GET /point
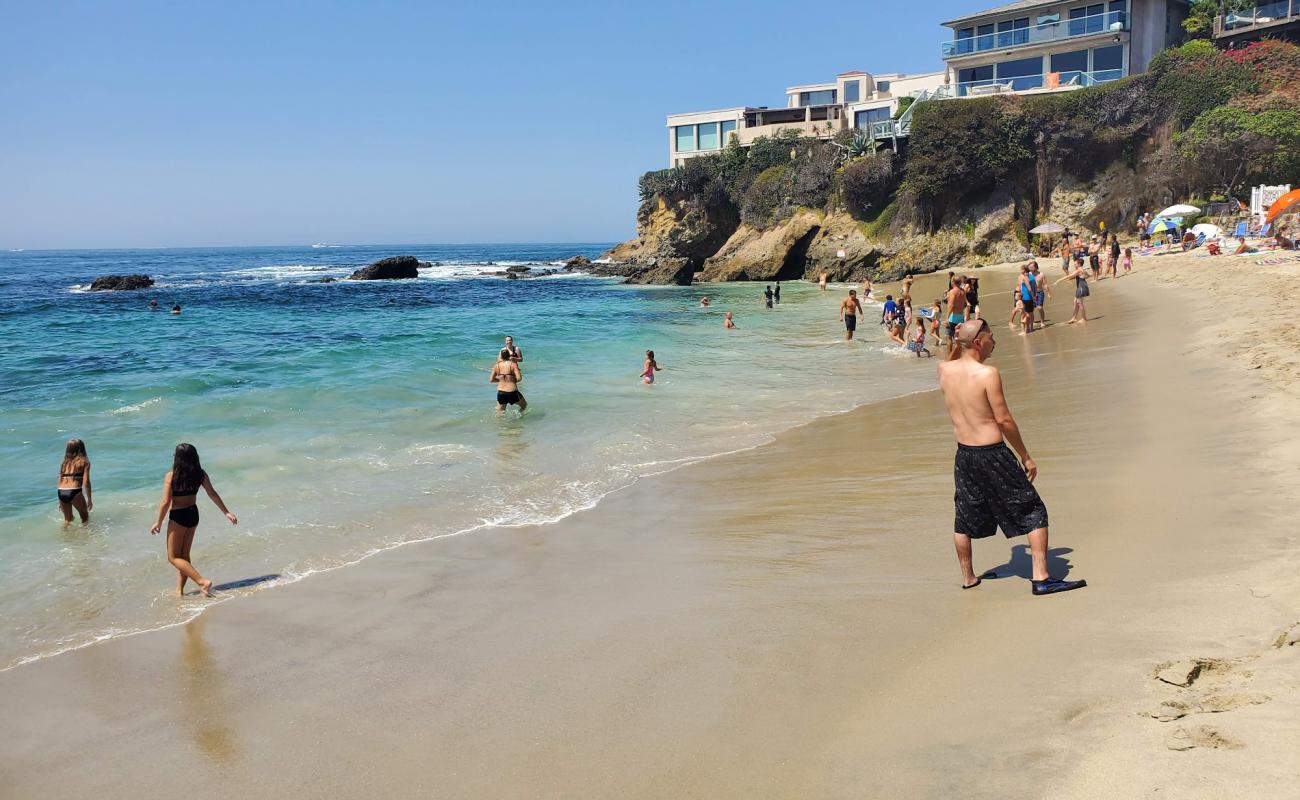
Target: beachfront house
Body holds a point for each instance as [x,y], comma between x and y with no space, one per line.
[1049,45]
[1238,24]
[853,100]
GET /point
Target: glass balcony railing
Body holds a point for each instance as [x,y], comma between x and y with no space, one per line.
[1023,83]
[1113,21]
[1261,14]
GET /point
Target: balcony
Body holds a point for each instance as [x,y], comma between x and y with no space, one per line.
[1051,81]
[1111,22]
[1263,18]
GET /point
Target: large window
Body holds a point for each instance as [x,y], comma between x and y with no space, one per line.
[1087,19]
[1070,65]
[851,91]
[863,119]
[685,138]
[1108,62]
[824,97]
[708,136]
[1117,13]
[984,37]
[882,86]
[1013,32]
[965,41]
[728,128]
[1023,73]
[973,76]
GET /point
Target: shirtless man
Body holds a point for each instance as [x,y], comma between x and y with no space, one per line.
[506,375]
[992,489]
[517,356]
[956,302]
[850,310]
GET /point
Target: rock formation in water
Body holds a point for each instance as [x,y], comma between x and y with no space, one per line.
[121,283]
[392,268]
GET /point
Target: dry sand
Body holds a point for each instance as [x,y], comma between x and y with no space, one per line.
[786,622]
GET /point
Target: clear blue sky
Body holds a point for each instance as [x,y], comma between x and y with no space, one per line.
[227,123]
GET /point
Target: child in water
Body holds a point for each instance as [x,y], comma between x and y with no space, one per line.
[728,322]
[917,345]
[1128,260]
[936,313]
[648,371]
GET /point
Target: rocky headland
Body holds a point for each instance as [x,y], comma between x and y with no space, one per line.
[973,178]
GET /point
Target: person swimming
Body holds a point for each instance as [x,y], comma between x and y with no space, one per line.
[180,508]
[153,305]
[649,368]
[74,482]
[176,309]
[727,321]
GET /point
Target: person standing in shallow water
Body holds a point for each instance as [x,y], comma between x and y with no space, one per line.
[649,368]
[517,356]
[727,321]
[181,510]
[850,310]
[767,297]
[506,375]
[776,293]
[992,490]
[74,482]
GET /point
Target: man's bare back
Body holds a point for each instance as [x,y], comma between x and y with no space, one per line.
[967,386]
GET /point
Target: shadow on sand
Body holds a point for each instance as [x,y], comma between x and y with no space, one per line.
[1020,565]
[243,583]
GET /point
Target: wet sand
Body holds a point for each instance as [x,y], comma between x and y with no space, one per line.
[784,622]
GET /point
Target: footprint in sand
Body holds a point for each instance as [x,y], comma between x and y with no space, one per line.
[1200,736]
[1289,637]
[1171,710]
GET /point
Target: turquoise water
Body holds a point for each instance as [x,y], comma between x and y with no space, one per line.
[336,423]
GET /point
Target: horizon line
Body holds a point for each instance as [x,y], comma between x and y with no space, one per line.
[307,246]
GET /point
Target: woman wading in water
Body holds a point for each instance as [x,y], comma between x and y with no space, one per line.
[1080,277]
[180,495]
[74,482]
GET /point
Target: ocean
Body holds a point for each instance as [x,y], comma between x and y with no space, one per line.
[343,419]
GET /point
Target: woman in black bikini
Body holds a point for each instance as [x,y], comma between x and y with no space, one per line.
[180,495]
[74,482]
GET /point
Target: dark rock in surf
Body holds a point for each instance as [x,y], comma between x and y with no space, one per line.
[121,283]
[387,269]
[578,262]
[323,280]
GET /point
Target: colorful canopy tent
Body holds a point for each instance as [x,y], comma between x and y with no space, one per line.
[1283,204]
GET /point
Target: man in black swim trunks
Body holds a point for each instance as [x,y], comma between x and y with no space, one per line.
[850,310]
[767,297]
[992,489]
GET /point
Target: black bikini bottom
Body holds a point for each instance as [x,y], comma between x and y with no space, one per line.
[185,517]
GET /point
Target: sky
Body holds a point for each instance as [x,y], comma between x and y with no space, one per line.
[133,124]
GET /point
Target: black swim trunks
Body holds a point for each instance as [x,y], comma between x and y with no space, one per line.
[851,322]
[507,398]
[1028,305]
[993,491]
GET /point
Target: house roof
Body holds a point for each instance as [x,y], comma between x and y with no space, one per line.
[1019,5]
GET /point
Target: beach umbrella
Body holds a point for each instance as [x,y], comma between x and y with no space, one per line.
[1283,204]
[1206,229]
[1174,211]
[1048,227]
[1162,225]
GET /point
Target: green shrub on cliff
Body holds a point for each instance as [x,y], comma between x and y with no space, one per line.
[766,197]
[1197,77]
[1228,148]
[867,183]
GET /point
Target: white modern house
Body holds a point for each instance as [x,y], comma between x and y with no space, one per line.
[853,100]
[1049,45]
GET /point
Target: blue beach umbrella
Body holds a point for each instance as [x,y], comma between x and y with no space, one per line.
[1161,225]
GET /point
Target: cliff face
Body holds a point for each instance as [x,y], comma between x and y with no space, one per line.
[678,244]
[674,237]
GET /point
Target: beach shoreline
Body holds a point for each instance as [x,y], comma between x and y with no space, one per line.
[783,621]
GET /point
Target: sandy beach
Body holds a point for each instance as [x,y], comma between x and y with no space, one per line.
[786,621]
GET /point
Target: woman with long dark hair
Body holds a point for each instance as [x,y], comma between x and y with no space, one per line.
[74,482]
[180,507]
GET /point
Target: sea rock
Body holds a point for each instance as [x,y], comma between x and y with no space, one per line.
[323,280]
[517,268]
[392,268]
[121,283]
[578,262]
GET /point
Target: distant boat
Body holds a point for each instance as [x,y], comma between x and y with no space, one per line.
[322,244]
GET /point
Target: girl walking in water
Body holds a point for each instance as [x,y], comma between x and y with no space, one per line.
[650,368]
[1080,278]
[180,495]
[74,482]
